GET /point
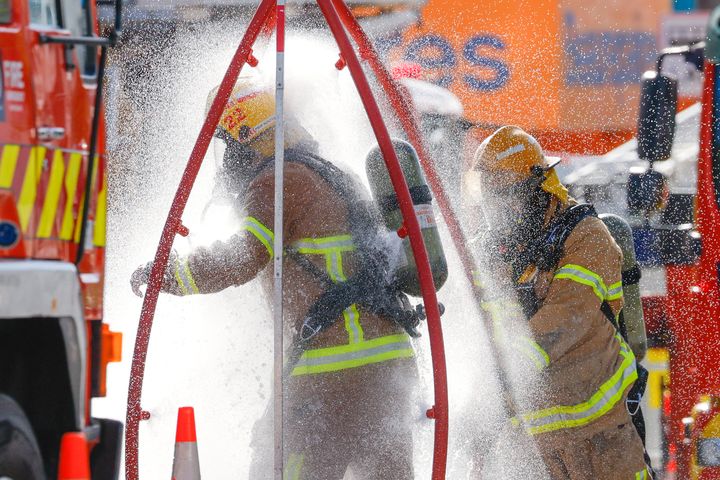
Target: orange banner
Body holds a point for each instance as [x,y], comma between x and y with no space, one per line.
[547,65]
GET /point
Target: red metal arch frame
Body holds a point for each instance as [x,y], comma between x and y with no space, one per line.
[336,14]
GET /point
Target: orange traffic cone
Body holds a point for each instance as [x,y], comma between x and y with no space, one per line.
[74,457]
[186,464]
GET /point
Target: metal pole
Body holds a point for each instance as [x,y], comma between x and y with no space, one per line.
[278,391]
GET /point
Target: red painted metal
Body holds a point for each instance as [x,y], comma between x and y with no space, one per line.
[39,91]
[413,227]
[134,410]
[402,105]
[280,28]
[42,177]
[708,216]
[693,299]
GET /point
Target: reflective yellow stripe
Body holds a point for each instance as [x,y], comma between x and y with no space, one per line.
[583,276]
[332,259]
[352,324]
[261,232]
[615,291]
[100,212]
[184,278]
[26,201]
[332,248]
[193,286]
[180,282]
[71,182]
[642,475]
[533,351]
[325,245]
[353,355]
[293,469]
[591,279]
[608,395]
[8,162]
[78,221]
[52,196]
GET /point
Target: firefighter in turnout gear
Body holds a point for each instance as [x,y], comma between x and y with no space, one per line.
[563,269]
[351,369]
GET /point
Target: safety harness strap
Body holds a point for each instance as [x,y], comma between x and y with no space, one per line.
[632,276]
[343,296]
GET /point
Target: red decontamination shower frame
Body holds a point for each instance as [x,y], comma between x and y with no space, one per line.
[339,18]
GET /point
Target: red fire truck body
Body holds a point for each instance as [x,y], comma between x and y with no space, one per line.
[54,348]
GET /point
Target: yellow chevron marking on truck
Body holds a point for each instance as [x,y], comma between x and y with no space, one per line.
[52,196]
[78,222]
[100,208]
[26,201]
[71,181]
[8,162]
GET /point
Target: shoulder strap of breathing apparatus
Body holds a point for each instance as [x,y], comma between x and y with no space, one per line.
[552,246]
[552,243]
[551,253]
[369,286]
[545,253]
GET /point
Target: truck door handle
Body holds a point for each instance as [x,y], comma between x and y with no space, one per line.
[50,133]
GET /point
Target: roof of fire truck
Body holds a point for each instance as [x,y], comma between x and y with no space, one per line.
[680,169]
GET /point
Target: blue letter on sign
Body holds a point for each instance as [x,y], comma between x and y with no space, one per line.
[440,55]
[502,72]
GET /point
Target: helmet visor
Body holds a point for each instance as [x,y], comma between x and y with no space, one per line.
[507,209]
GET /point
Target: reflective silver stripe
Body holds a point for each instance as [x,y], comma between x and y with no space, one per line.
[353,355]
[585,277]
[533,351]
[615,291]
[352,324]
[334,260]
[261,232]
[610,393]
[642,475]
[185,280]
[342,242]
[514,149]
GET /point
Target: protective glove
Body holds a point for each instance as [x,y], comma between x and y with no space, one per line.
[141,276]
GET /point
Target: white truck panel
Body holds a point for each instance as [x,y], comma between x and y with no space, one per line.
[49,289]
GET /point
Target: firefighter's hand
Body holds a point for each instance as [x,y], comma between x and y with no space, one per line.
[139,278]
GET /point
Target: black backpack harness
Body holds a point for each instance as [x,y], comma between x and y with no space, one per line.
[549,250]
[368,287]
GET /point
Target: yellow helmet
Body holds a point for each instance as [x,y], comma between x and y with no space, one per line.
[249,118]
[509,157]
[250,111]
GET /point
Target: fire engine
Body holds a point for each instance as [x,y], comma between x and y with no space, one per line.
[671,196]
[54,346]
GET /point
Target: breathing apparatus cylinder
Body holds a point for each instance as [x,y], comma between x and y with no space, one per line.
[632,308]
[406,275]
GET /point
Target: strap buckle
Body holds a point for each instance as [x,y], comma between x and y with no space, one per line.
[633,404]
